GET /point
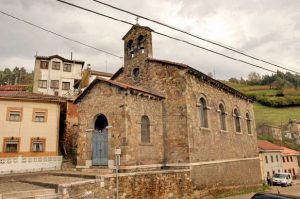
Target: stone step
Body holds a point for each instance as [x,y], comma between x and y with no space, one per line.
[32,194]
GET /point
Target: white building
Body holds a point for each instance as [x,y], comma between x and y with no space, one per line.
[270,158]
[29,131]
[55,75]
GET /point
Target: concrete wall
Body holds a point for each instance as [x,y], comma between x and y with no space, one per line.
[50,74]
[27,129]
[123,111]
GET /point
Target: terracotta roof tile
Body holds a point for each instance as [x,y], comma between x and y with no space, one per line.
[99,73]
[287,151]
[266,145]
[59,57]
[12,87]
[23,95]
[120,85]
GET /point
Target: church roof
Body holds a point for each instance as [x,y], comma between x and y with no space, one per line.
[134,27]
[195,72]
[61,58]
[132,89]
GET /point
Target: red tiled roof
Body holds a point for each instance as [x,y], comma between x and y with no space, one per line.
[120,85]
[287,151]
[168,62]
[23,95]
[12,87]
[198,74]
[60,57]
[266,145]
[99,73]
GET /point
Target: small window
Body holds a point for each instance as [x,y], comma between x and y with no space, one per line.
[294,173]
[37,144]
[11,145]
[248,121]
[277,159]
[287,159]
[54,84]
[56,65]
[266,159]
[67,67]
[135,73]
[40,115]
[273,172]
[203,113]
[272,160]
[291,158]
[44,65]
[14,114]
[66,86]
[42,83]
[283,159]
[222,117]
[145,129]
[237,121]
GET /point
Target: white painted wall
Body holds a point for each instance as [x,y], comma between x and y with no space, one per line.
[50,74]
[271,166]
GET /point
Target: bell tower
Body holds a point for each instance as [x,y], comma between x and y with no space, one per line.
[137,45]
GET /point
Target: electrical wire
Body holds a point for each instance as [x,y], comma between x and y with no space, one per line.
[196,36]
[60,35]
[171,37]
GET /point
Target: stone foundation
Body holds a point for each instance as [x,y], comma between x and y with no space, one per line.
[142,185]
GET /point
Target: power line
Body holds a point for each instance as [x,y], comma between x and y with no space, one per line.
[196,36]
[171,37]
[60,35]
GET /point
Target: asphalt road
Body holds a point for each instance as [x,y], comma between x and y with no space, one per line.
[292,190]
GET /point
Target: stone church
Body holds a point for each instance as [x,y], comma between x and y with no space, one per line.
[167,115]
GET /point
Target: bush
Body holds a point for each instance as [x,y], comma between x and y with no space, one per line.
[279,101]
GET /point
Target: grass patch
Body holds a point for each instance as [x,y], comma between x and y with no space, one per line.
[275,116]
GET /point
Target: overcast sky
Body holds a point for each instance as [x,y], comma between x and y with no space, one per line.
[268,29]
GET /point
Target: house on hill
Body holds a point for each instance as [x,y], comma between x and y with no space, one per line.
[163,114]
[270,157]
[56,75]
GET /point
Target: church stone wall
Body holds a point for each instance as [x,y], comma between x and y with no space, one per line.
[123,112]
[170,82]
[237,150]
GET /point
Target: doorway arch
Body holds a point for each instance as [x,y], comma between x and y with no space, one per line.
[100,141]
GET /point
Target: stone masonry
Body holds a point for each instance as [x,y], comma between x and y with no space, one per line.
[169,94]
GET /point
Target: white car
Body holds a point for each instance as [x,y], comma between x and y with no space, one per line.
[283,179]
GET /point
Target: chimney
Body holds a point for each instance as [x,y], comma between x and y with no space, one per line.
[71,55]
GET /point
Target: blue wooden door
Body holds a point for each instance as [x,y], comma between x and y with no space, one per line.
[100,147]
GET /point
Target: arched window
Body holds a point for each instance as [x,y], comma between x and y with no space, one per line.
[130,49]
[203,113]
[135,73]
[237,122]
[222,117]
[248,121]
[141,44]
[145,129]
